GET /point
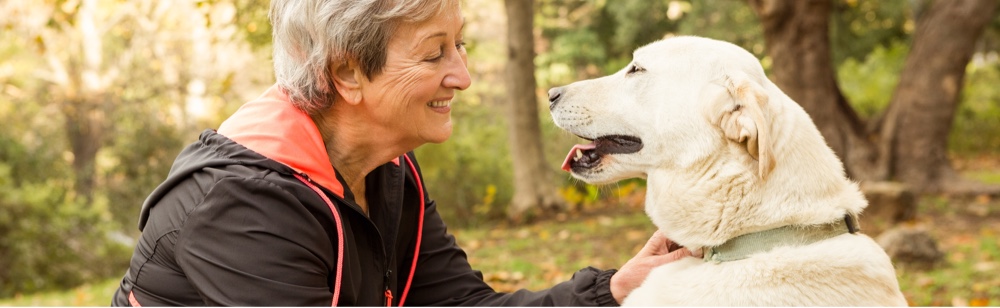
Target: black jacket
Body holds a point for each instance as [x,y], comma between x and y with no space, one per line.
[238,223]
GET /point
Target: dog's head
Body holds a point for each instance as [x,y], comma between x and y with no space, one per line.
[679,101]
[725,151]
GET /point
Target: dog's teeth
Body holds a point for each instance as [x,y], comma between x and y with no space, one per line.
[579,154]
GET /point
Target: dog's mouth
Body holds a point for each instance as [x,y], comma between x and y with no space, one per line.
[586,156]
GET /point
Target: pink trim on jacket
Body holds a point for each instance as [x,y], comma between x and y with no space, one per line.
[340,237]
[271,126]
[420,232]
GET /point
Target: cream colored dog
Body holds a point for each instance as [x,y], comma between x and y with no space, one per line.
[735,169]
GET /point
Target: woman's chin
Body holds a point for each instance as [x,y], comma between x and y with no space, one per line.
[439,136]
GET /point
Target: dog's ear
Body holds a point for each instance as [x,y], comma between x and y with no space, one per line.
[745,119]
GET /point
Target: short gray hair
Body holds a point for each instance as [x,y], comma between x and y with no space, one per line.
[311,35]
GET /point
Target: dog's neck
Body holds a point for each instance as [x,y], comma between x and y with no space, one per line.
[745,245]
[723,197]
[700,210]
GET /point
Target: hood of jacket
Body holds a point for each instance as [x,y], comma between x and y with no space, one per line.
[267,132]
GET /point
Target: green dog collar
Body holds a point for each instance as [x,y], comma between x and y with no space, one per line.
[743,246]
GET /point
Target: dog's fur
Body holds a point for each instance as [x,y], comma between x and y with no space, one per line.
[725,153]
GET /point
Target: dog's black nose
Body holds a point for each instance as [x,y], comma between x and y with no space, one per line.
[554,95]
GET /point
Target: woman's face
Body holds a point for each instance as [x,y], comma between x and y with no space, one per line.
[425,67]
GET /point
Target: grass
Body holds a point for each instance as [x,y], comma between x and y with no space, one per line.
[94,294]
[533,256]
[540,255]
[985,176]
[967,277]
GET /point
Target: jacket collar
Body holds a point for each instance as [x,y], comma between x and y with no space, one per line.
[271,126]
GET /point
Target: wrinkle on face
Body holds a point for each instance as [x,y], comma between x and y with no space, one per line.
[411,79]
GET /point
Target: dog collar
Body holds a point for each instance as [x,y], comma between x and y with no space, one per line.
[743,246]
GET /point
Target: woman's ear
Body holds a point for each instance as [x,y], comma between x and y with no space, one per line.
[347,79]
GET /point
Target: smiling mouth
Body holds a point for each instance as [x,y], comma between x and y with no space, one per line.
[587,156]
[439,104]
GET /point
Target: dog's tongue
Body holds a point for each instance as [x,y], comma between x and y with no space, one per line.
[572,153]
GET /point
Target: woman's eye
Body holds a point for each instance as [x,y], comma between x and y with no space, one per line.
[459,46]
[634,69]
[436,57]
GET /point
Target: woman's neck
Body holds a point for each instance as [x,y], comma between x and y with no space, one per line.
[352,149]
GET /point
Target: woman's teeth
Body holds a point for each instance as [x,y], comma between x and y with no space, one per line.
[439,103]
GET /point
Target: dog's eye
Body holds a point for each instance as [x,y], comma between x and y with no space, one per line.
[634,69]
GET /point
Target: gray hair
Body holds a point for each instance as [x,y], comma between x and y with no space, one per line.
[310,36]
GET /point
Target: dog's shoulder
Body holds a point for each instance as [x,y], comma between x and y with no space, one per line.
[850,269]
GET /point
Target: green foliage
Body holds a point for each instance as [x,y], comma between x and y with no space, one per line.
[859,27]
[136,161]
[728,20]
[588,38]
[50,240]
[976,128]
[469,176]
[868,84]
[251,19]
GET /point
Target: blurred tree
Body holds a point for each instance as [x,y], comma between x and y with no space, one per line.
[728,20]
[585,39]
[908,143]
[35,252]
[857,27]
[251,18]
[48,238]
[797,40]
[68,37]
[126,77]
[914,130]
[95,96]
[534,185]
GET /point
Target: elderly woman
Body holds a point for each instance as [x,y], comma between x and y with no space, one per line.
[310,194]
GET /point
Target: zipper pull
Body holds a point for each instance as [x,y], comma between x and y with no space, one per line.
[388,293]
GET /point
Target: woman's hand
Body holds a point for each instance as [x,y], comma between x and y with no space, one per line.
[659,250]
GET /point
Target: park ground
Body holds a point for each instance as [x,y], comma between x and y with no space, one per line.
[606,234]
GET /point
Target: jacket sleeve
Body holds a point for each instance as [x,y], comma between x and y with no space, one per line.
[445,278]
[251,243]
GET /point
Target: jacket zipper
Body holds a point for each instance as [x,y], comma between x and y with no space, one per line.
[385,254]
[388,292]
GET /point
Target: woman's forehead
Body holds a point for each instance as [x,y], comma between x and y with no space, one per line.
[444,25]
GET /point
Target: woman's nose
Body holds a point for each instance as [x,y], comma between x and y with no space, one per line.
[458,74]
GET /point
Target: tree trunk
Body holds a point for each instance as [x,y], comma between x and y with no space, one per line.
[796,34]
[909,142]
[85,123]
[534,185]
[916,126]
[84,110]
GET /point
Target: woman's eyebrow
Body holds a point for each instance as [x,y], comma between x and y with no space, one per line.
[441,33]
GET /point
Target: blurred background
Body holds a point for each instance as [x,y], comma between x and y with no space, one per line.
[97,97]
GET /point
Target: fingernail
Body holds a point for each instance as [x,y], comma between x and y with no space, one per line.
[698,253]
